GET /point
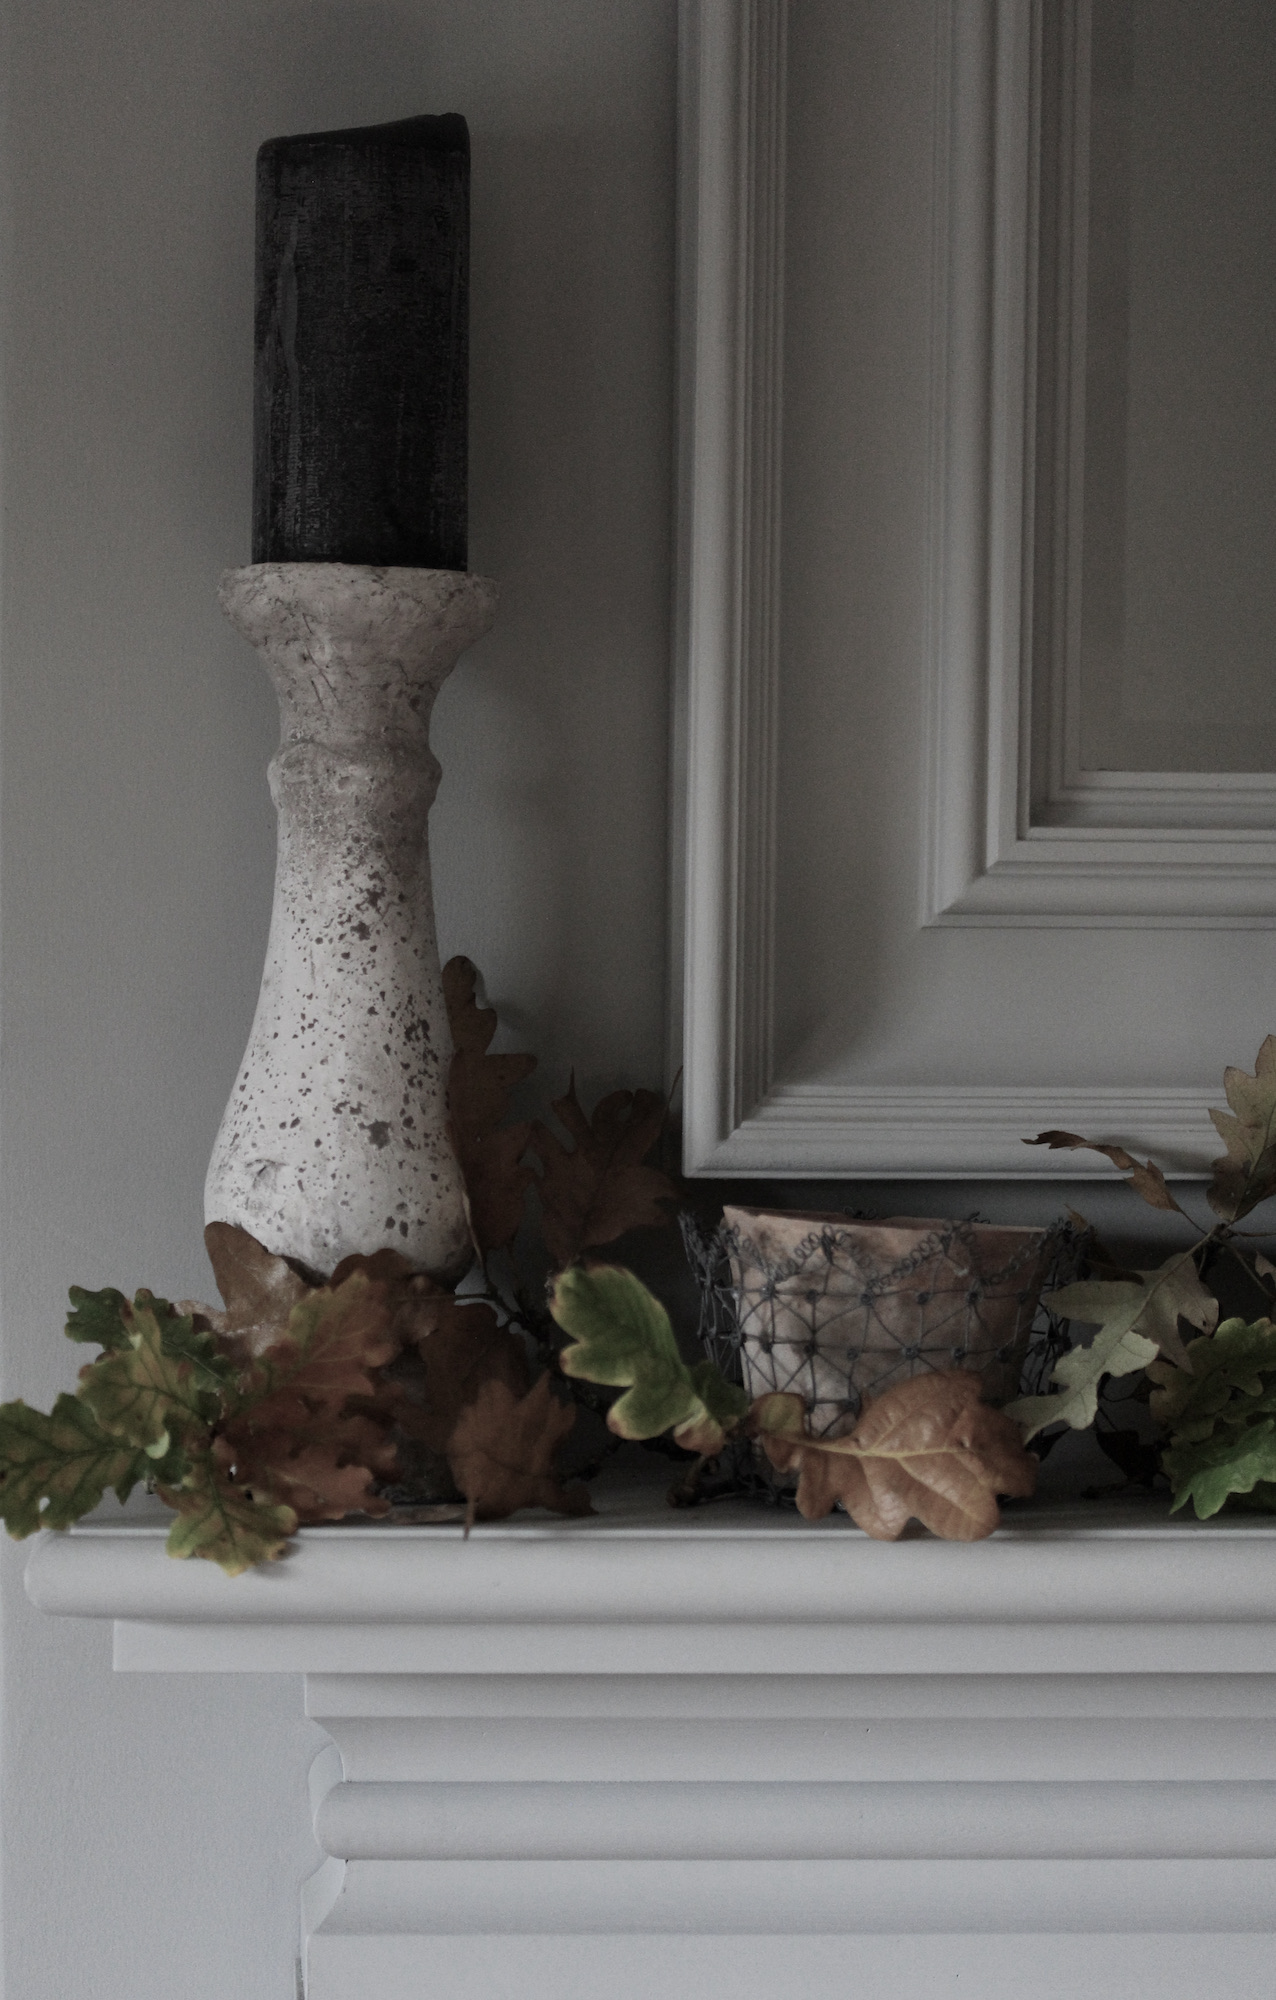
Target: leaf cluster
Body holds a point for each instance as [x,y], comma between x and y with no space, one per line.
[1137,1319]
[927,1449]
[1138,1314]
[301,1401]
[592,1187]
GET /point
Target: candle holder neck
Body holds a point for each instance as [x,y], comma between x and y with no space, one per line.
[334,1140]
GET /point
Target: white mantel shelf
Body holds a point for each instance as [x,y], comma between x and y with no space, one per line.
[739,1753]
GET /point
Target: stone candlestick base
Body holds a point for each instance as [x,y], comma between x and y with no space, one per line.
[334,1138]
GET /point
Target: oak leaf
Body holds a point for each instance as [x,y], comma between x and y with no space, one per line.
[219,1519]
[1137,1321]
[623,1339]
[259,1290]
[57,1467]
[927,1449]
[333,1341]
[295,1430]
[600,1187]
[1232,1372]
[322,1475]
[101,1317]
[502,1453]
[1145,1177]
[163,1386]
[1221,1416]
[488,1151]
[1246,1173]
[1235,1463]
[456,1347]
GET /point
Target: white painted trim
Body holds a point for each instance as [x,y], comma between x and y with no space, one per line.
[956,1132]
[731,299]
[667,1580]
[1180,849]
[732,1728]
[984,864]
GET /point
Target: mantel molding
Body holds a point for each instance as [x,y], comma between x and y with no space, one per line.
[739,1752]
[642,1589]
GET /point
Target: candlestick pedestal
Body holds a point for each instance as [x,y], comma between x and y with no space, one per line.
[334,1139]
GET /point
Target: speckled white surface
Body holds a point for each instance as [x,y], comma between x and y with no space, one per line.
[333,1140]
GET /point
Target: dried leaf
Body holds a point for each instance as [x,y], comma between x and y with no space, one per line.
[295,1431]
[1264,1265]
[502,1453]
[219,1520]
[479,1086]
[600,1188]
[259,1290]
[322,1476]
[164,1386]
[1145,1177]
[926,1450]
[624,1340]
[334,1339]
[1246,1173]
[385,1267]
[55,1468]
[458,1346]
[1136,1322]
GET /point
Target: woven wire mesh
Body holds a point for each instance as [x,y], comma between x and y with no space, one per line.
[799,1327]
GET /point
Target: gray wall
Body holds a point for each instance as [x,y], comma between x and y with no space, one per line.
[152,1834]
[153,1837]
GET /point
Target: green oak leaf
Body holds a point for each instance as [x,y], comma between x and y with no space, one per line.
[98,1316]
[1221,1416]
[160,1388]
[1246,1172]
[222,1521]
[1210,1472]
[1117,1351]
[211,1370]
[55,1468]
[1137,1322]
[624,1340]
[1230,1377]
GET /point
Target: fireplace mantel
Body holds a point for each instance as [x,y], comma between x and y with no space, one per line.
[741,1753]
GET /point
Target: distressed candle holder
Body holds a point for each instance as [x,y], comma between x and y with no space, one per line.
[334,1140]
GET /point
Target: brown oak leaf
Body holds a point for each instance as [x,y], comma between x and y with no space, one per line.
[502,1453]
[1246,1172]
[297,1429]
[1145,1177]
[385,1267]
[458,1347]
[927,1449]
[322,1477]
[479,1085]
[259,1291]
[600,1187]
[333,1341]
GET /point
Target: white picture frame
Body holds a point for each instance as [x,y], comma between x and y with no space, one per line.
[1208,864]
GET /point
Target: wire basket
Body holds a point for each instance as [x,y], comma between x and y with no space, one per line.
[837,1308]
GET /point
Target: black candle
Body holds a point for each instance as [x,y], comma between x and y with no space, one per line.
[362,346]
